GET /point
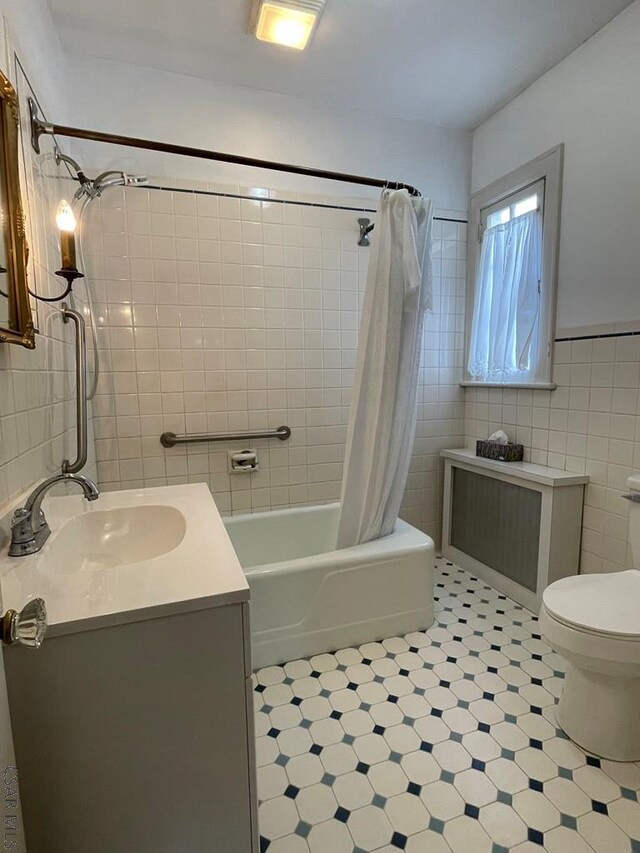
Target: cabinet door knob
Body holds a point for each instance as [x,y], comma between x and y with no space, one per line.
[27,627]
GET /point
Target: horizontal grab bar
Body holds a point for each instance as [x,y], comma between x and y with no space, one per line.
[169,439]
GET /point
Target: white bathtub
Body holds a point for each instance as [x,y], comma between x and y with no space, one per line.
[308,598]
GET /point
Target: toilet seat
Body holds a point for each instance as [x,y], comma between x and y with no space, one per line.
[603,605]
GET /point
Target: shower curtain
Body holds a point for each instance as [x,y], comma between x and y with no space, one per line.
[382,418]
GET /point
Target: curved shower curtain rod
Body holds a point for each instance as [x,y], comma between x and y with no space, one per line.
[38,127]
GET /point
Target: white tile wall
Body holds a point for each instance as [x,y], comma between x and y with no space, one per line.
[37,389]
[589,424]
[220,313]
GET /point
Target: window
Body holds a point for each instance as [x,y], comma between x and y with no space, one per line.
[512,276]
[527,201]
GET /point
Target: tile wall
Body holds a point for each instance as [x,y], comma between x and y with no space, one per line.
[37,387]
[589,424]
[219,313]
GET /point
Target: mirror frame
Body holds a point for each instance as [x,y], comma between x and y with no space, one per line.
[21,329]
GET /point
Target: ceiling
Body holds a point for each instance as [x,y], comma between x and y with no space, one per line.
[445,62]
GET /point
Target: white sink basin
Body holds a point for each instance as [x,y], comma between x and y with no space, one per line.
[125,557]
[114,537]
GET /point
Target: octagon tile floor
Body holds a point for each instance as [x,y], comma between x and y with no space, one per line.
[443,741]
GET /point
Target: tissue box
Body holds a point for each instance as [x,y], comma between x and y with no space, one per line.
[500,452]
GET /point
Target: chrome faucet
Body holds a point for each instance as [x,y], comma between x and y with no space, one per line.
[29,528]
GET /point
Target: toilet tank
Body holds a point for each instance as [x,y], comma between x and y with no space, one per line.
[633,484]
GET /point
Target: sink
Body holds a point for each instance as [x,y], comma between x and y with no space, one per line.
[119,536]
[160,550]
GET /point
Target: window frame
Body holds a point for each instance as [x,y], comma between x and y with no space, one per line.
[511,201]
[547,168]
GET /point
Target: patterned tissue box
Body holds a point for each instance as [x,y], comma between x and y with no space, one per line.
[500,452]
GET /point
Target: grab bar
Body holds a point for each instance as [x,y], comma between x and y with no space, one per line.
[81,392]
[169,439]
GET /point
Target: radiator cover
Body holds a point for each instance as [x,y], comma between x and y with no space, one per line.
[516,525]
[498,524]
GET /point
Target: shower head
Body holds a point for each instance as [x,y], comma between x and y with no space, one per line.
[94,188]
[135,180]
[118,179]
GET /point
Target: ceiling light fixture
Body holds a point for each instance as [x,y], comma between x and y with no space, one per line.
[287,22]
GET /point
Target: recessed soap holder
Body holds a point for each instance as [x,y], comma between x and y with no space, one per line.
[243,461]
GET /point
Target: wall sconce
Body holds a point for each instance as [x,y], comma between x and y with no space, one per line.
[66,222]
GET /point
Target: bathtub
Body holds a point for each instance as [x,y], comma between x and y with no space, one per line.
[308,598]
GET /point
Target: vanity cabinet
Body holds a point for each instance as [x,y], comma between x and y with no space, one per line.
[138,738]
[133,722]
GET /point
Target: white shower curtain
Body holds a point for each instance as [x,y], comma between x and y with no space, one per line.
[383,406]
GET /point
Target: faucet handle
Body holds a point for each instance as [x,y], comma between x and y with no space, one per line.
[27,537]
[27,627]
[22,519]
[19,516]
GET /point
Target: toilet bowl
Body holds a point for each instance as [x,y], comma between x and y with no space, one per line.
[593,622]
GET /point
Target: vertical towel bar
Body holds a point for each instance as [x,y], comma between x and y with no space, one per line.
[81,391]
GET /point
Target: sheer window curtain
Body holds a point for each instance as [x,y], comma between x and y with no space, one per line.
[382,417]
[507,299]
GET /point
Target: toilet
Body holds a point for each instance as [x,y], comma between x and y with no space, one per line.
[593,622]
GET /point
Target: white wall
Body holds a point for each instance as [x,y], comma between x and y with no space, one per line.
[145,102]
[37,424]
[589,423]
[32,34]
[28,29]
[589,102]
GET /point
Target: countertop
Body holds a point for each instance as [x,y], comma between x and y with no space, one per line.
[202,571]
[531,471]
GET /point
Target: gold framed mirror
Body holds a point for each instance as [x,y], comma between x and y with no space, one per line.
[16,322]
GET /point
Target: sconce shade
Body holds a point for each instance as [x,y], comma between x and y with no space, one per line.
[66,222]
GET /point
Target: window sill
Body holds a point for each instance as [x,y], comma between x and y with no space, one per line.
[537,386]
